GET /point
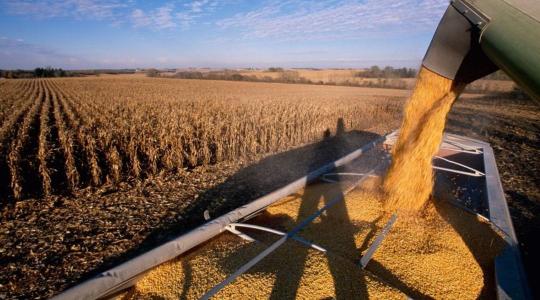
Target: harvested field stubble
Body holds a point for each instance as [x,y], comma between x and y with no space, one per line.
[92,131]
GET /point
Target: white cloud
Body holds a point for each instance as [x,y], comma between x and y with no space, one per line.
[197,6]
[282,19]
[335,19]
[140,19]
[163,18]
[195,10]
[81,9]
[170,16]
[159,18]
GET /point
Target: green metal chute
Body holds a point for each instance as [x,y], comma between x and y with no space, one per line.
[477,37]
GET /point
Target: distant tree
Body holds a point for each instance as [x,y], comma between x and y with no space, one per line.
[237,77]
[375,71]
[387,72]
[8,74]
[498,75]
[275,69]
[152,73]
[59,73]
[289,76]
[191,75]
[38,72]
[49,72]
[519,93]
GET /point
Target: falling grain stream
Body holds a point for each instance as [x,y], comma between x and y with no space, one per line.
[409,180]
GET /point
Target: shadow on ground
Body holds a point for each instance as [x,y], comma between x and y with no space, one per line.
[248,184]
[291,262]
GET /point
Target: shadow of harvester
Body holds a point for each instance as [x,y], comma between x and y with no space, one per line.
[287,272]
[246,185]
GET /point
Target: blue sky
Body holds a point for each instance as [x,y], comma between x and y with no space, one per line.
[75,34]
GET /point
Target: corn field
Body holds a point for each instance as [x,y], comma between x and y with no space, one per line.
[60,135]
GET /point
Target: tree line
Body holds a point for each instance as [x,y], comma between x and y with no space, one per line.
[387,72]
[37,73]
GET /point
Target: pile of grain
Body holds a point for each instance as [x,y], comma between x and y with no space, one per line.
[446,254]
[409,180]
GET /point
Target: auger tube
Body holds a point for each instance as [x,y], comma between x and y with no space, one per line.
[478,37]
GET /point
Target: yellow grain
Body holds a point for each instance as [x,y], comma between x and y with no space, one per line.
[447,254]
[409,180]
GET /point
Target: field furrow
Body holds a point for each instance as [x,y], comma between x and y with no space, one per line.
[67,142]
[55,158]
[44,144]
[9,88]
[14,95]
[86,143]
[8,91]
[23,151]
[8,131]
[112,158]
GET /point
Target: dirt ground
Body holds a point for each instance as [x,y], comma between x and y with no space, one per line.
[48,246]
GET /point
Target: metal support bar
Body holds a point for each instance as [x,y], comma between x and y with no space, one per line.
[257,227]
[447,142]
[282,240]
[277,232]
[244,236]
[244,268]
[475,173]
[463,148]
[371,250]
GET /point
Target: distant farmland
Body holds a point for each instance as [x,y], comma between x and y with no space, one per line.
[60,135]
